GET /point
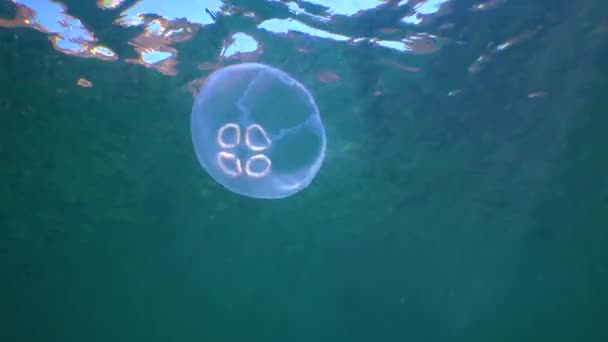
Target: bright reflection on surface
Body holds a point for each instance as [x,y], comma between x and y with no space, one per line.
[424,10]
[242,46]
[66,33]
[347,7]
[430,6]
[292,25]
[297,10]
[416,44]
[154,43]
[191,11]
[165,23]
[160,25]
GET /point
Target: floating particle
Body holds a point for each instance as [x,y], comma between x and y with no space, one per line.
[83,82]
[537,94]
[328,77]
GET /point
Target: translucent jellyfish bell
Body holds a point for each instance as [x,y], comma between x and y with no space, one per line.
[257,131]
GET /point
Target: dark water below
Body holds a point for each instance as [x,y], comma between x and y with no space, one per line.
[463,196]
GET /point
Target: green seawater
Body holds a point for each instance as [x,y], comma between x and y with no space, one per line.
[480,216]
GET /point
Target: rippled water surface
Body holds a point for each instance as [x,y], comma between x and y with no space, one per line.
[462,196]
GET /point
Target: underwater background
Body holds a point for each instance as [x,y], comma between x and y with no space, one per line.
[463,196]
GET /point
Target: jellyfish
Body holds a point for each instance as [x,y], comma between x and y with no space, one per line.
[257,131]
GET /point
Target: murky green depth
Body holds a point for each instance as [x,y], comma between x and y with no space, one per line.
[477,217]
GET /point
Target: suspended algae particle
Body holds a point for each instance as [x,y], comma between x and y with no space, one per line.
[83,82]
[257,131]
